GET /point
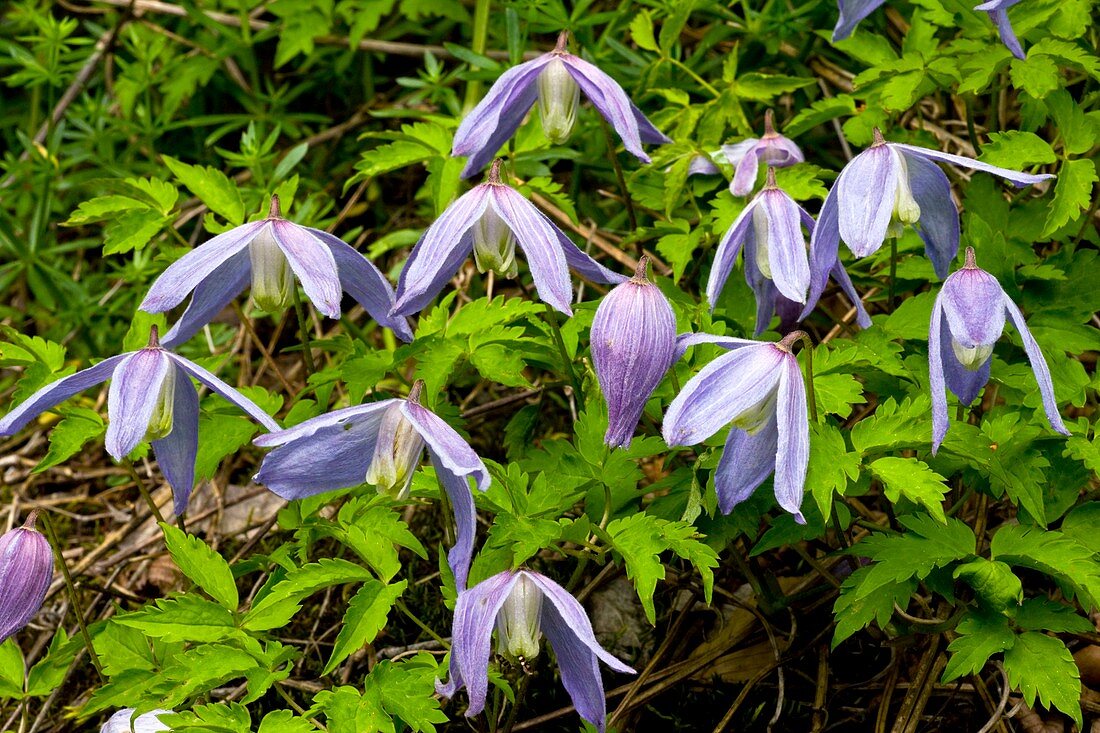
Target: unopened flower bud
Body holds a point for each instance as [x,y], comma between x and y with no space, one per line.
[26,567]
[633,343]
[559,96]
[518,629]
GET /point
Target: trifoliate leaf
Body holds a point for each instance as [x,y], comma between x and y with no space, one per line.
[206,568]
[912,479]
[1041,666]
[365,617]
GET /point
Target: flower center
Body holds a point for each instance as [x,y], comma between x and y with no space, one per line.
[972,357]
[396,455]
[559,96]
[756,417]
[906,208]
[760,230]
[494,245]
[160,423]
[518,628]
[272,278]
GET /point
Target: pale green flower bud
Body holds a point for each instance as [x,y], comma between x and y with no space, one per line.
[518,629]
[396,455]
[559,96]
[272,278]
[160,424]
[972,357]
[494,245]
[906,208]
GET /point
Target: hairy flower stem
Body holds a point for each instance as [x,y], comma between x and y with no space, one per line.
[893,272]
[416,620]
[303,329]
[77,610]
[521,692]
[555,329]
[144,491]
[811,398]
[622,182]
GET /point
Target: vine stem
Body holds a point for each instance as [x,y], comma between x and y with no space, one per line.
[555,328]
[893,272]
[303,328]
[77,610]
[477,45]
[521,692]
[144,491]
[808,349]
[622,180]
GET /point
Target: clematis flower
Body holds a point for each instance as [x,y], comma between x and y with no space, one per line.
[967,319]
[703,165]
[26,567]
[773,149]
[523,605]
[378,443]
[124,722]
[851,12]
[759,389]
[151,398]
[490,220]
[886,187]
[998,13]
[633,341]
[555,80]
[777,263]
[271,253]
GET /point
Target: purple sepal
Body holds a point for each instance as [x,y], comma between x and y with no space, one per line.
[26,568]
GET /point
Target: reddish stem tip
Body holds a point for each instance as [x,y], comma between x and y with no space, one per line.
[787,343]
[878,138]
[971,260]
[273,211]
[494,172]
[416,391]
[154,337]
[32,519]
[770,183]
[563,42]
[641,270]
[769,124]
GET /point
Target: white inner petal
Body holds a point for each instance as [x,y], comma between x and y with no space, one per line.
[395,458]
[972,357]
[160,423]
[906,208]
[559,96]
[518,628]
[757,416]
[760,230]
[494,245]
[272,278]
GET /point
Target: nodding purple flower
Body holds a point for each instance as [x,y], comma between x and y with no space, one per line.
[998,13]
[633,341]
[777,263]
[270,253]
[148,722]
[555,80]
[889,186]
[704,165]
[967,319]
[773,150]
[26,567]
[490,220]
[378,443]
[759,389]
[523,606]
[151,398]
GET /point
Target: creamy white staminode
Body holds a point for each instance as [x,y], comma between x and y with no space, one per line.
[559,96]
[397,451]
[494,245]
[518,629]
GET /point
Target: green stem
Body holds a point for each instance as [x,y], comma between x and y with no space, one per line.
[521,691]
[622,180]
[416,620]
[303,328]
[893,271]
[144,491]
[808,350]
[477,45]
[555,329]
[698,79]
[77,611]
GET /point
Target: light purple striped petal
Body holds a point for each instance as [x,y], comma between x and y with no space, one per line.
[865,199]
[728,248]
[939,217]
[214,293]
[734,153]
[442,248]
[223,389]
[936,382]
[538,239]
[461,555]
[475,618]
[686,340]
[326,453]
[1004,28]
[498,115]
[609,99]
[132,398]
[972,303]
[581,263]
[633,341]
[360,279]
[55,393]
[721,392]
[26,568]
[702,165]
[781,152]
[184,275]
[1038,366]
[1016,177]
[787,255]
[963,383]
[313,263]
[851,13]
[647,131]
[824,249]
[455,453]
[576,620]
[744,176]
[746,462]
[793,449]
[176,451]
[840,275]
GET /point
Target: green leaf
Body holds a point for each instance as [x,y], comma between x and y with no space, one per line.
[641,538]
[927,546]
[823,110]
[184,618]
[284,721]
[221,195]
[1037,75]
[765,87]
[1043,614]
[132,230]
[981,635]
[275,609]
[641,30]
[914,480]
[50,671]
[994,582]
[205,567]
[855,609]
[894,425]
[1041,666]
[1072,193]
[1016,149]
[374,533]
[1050,552]
[831,466]
[365,617]
[11,670]
[103,207]
[523,536]
[407,691]
[836,393]
[79,426]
